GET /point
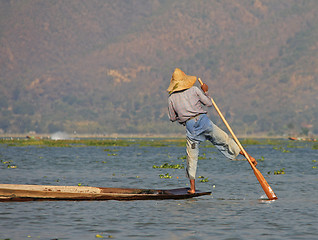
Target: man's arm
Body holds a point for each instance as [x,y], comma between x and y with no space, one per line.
[204,97]
[172,114]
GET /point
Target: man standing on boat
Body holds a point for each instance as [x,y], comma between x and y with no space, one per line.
[185,105]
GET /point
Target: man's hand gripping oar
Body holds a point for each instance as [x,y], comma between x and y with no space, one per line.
[267,189]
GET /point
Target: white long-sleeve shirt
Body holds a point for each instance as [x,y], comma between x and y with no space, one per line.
[186,104]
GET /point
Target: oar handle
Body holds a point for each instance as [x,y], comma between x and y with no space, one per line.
[200,81]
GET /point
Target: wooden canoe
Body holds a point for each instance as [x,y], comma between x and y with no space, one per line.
[15,192]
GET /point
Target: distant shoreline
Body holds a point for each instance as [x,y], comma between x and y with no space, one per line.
[114,135]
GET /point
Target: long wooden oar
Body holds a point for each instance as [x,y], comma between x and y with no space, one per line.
[267,189]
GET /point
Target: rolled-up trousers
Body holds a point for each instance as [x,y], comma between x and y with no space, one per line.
[200,129]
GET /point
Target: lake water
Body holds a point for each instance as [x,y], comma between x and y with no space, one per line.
[235,210]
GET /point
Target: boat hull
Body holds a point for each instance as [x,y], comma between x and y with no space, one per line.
[14,192]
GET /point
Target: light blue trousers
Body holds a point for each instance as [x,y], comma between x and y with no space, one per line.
[201,129]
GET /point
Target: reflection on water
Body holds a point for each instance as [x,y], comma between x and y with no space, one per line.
[238,208]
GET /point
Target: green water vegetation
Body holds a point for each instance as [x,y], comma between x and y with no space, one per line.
[123,142]
[110,150]
[203,179]
[278,172]
[8,164]
[282,149]
[202,157]
[101,236]
[250,142]
[262,159]
[281,171]
[167,165]
[67,143]
[167,175]
[109,143]
[112,154]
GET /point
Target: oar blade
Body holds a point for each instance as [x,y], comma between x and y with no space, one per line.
[267,189]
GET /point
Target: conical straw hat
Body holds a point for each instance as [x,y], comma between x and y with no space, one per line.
[180,81]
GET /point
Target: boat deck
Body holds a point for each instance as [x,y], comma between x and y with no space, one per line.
[17,192]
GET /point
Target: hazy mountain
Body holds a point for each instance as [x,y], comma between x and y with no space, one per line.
[103,66]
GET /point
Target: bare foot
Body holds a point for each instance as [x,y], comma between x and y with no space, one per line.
[191,191]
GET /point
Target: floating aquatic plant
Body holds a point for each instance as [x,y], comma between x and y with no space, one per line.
[165,176]
[282,149]
[203,179]
[110,150]
[9,164]
[100,236]
[119,142]
[278,172]
[202,157]
[281,171]
[167,165]
[112,154]
[250,142]
[68,143]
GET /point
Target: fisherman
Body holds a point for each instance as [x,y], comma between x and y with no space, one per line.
[185,105]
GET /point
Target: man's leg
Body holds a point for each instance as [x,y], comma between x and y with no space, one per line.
[192,160]
[221,140]
[224,143]
[192,186]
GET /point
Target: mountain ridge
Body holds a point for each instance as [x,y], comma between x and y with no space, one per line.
[103,67]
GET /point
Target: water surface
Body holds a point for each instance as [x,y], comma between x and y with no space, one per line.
[237,209]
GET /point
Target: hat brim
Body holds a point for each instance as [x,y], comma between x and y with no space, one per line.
[181,84]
